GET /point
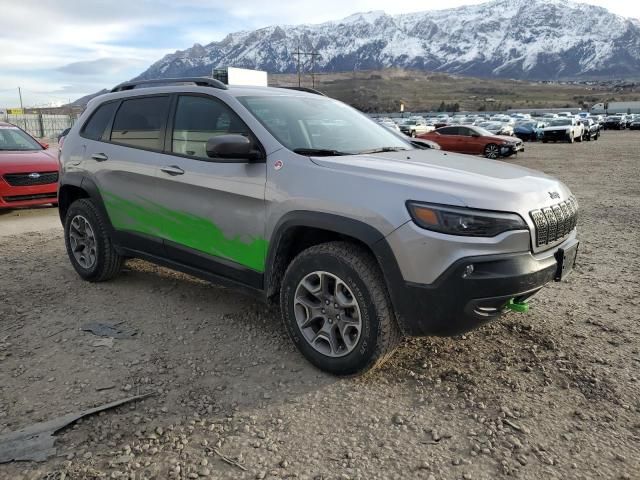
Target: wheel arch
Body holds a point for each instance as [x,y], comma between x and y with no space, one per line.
[74,186]
[299,230]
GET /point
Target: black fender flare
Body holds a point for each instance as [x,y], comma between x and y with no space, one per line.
[348,227]
[81,181]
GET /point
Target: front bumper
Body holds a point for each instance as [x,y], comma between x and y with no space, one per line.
[556,136]
[527,136]
[508,150]
[459,301]
[28,196]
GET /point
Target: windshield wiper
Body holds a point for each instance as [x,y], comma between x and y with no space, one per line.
[383,149]
[319,152]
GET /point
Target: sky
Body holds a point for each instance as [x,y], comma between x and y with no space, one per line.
[59,50]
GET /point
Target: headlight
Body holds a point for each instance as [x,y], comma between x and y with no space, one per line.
[463,221]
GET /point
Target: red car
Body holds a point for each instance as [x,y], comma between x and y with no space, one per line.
[28,170]
[475,141]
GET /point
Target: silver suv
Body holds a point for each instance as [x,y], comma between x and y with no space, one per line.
[361,235]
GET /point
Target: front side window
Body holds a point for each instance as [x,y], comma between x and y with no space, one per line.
[197,119]
[321,125]
[139,122]
[14,139]
[99,121]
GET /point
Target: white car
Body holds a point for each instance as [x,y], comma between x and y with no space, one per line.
[563,129]
[413,128]
[390,124]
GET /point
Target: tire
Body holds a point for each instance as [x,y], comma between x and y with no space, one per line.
[105,263]
[579,138]
[491,151]
[356,270]
[597,136]
[545,141]
[413,134]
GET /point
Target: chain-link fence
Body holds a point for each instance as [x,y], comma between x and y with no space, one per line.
[39,124]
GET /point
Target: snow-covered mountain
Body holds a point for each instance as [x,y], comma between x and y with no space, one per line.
[526,39]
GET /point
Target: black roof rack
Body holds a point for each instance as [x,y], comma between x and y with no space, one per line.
[306,89]
[199,81]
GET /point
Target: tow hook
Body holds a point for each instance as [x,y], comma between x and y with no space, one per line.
[520,307]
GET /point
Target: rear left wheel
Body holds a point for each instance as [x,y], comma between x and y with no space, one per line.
[88,243]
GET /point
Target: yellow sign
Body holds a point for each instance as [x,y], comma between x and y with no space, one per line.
[15,111]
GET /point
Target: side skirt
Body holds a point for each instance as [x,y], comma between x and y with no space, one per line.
[254,292]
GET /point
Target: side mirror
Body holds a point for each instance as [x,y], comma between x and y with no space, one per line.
[232,148]
[44,145]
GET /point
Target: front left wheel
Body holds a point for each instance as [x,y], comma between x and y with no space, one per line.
[492,151]
[89,244]
[336,309]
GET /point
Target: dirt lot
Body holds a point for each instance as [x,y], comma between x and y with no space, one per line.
[552,394]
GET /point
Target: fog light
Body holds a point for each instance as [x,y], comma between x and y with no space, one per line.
[468,270]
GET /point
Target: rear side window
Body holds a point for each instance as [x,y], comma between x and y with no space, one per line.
[198,119]
[97,124]
[139,122]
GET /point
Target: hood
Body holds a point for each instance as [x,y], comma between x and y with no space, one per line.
[559,127]
[467,180]
[503,138]
[33,161]
[524,129]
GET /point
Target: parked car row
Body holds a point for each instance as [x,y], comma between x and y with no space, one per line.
[485,133]
[29,171]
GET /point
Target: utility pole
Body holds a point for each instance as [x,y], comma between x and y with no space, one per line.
[313,56]
[20,95]
[297,54]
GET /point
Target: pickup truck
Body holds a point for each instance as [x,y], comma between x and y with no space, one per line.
[563,129]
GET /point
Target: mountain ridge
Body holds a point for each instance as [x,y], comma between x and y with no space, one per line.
[522,39]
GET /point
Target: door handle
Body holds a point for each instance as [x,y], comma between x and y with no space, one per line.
[99,157]
[173,170]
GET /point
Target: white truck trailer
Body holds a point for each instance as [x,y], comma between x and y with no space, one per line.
[615,107]
[241,76]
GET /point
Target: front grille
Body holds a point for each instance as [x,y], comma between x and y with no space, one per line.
[29,179]
[555,222]
[556,134]
[37,196]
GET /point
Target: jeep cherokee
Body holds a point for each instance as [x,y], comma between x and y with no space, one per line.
[362,236]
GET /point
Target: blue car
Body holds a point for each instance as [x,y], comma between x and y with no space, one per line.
[528,131]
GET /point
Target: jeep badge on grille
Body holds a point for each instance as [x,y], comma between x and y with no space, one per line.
[554,195]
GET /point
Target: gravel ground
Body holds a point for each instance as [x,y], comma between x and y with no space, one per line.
[552,394]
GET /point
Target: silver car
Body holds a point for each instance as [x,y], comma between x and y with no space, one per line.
[361,236]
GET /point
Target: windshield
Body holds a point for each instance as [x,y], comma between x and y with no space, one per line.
[321,125]
[560,122]
[491,125]
[14,139]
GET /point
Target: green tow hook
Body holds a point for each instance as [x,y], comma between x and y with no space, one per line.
[520,307]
